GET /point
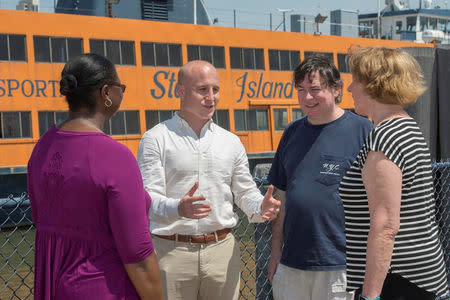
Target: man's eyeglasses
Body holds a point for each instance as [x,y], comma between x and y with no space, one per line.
[122,86]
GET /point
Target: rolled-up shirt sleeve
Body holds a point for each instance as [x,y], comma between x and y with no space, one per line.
[246,194]
[150,160]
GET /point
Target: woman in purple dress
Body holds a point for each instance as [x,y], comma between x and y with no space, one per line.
[87,199]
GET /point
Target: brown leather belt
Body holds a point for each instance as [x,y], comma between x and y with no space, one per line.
[201,238]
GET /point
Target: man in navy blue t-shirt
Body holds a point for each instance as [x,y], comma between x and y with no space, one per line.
[308,239]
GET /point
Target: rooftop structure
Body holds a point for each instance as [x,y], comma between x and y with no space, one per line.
[344,22]
[302,23]
[179,11]
[32,5]
[399,22]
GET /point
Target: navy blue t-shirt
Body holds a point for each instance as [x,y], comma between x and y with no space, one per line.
[309,165]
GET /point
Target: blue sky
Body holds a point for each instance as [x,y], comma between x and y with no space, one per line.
[256,13]
[266,6]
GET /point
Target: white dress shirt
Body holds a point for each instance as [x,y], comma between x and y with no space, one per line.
[172,158]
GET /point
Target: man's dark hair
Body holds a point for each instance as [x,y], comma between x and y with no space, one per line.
[82,76]
[326,69]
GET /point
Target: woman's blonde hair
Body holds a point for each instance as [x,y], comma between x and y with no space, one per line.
[390,76]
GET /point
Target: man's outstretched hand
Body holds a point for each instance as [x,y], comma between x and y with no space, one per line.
[189,208]
[270,206]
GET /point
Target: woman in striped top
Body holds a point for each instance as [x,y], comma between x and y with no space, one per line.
[387,193]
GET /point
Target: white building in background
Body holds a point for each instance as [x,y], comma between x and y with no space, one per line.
[32,5]
[302,23]
[344,23]
[400,22]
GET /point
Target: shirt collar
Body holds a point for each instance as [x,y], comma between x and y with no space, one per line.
[182,123]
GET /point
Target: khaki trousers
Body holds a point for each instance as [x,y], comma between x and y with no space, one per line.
[294,284]
[199,271]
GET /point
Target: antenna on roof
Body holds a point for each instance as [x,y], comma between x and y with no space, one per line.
[109,4]
[319,19]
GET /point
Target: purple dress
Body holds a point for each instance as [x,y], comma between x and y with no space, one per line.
[91,215]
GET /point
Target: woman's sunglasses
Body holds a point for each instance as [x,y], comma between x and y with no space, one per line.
[122,86]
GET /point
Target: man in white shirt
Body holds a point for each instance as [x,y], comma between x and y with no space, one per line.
[195,171]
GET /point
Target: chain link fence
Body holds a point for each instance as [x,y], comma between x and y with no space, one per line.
[441,175]
[16,248]
[17,239]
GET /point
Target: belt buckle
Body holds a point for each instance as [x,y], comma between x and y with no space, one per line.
[205,235]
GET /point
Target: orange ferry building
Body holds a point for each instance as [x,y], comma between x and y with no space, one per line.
[257,101]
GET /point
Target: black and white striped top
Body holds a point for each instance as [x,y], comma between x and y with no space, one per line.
[417,251]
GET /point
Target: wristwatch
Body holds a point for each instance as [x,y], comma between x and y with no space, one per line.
[361,297]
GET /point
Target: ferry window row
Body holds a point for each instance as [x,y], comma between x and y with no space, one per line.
[56,49]
[60,49]
[257,119]
[124,122]
[49,118]
[251,120]
[213,54]
[283,60]
[154,117]
[297,113]
[280,117]
[12,47]
[17,124]
[329,55]
[246,58]
[119,52]
[245,119]
[158,54]
[342,63]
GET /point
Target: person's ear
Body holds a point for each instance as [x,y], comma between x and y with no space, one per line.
[104,91]
[337,91]
[180,90]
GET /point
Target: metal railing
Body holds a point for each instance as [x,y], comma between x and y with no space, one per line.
[268,18]
[17,240]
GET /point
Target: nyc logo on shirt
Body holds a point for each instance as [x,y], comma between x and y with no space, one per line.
[330,169]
